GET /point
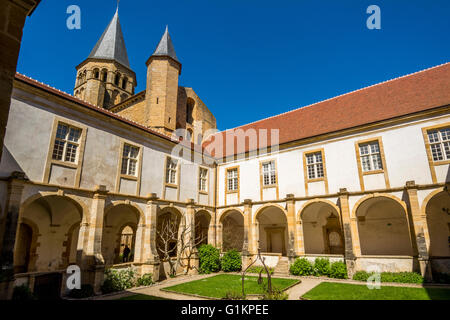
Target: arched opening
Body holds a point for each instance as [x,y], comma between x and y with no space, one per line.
[119,232]
[117,79]
[438,219]
[322,232]
[96,73]
[383,228]
[190,110]
[124,83]
[23,249]
[168,225]
[52,223]
[232,227]
[202,221]
[272,230]
[104,75]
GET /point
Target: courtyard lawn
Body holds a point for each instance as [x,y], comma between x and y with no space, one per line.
[343,291]
[218,286]
[142,297]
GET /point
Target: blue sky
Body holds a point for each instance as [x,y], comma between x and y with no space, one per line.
[248,59]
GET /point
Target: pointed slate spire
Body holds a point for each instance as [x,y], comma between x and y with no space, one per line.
[165,47]
[111,45]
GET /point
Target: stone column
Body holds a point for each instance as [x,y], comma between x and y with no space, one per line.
[293,245]
[351,239]
[418,227]
[14,198]
[250,245]
[93,262]
[150,258]
[193,262]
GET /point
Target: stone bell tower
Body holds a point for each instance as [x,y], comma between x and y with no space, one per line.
[105,78]
[163,70]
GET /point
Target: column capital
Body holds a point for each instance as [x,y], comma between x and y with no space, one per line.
[100,191]
[411,185]
[152,197]
[343,192]
[248,202]
[190,203]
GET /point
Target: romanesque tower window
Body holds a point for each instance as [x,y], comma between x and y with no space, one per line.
[66,143]
[104,75]
[370,156]
[203,180]
[171,171]
[96,73]
[117,79]
[314,164]
[439,144]
[189,110]
[232,179]
[124,83]
[269,173]
[129,160]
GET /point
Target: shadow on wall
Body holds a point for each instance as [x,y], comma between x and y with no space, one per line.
[8,164]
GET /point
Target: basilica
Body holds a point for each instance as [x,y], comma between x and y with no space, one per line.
[361,178]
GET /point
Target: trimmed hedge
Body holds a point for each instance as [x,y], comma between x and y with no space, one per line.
[118,280]
[231,261]
[338,270]
[400,277]
[322,267]
[209,259]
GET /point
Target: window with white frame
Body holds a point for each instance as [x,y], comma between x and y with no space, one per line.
[232,179]
[203,180]
[171,171]
[439,140]
[67,143]
[269,173]
[370,156]
[314,165]
[129,160]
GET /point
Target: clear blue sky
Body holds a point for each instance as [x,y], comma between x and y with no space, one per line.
[249,59]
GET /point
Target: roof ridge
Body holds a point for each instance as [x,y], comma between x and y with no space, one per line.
[335,97]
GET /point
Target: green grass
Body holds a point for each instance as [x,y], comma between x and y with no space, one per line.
[218,286]
[343,291]
[142,297]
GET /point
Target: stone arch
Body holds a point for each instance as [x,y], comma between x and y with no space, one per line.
[25,249]
[118,215]
[382,225]
[321,227]
[96,73]
[202,225]
[231,229]
[171,218]
[121,242]
[124,83]
[272,229]
[436,208]
[104,75]
[117,78]
[55,216]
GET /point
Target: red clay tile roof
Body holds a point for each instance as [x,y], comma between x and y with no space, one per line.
[64,95]
[409,94]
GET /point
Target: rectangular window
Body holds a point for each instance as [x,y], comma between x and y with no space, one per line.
[171,171]
[370,156]
[232,179]
[67,142]
[203,180]
[314,165]
[439,140]
[129,160]
[269,173]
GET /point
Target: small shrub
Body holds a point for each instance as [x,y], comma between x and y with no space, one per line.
[338,270]
[322,267]
[86,291]
[302,267]
[258,269]
[144,280]
[22,293]
[234,295]
[209,259]
[400,277]
[277,294]
[118,280]
[231,261]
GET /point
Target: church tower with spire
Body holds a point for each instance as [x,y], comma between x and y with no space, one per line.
[161,100]
[105,78]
